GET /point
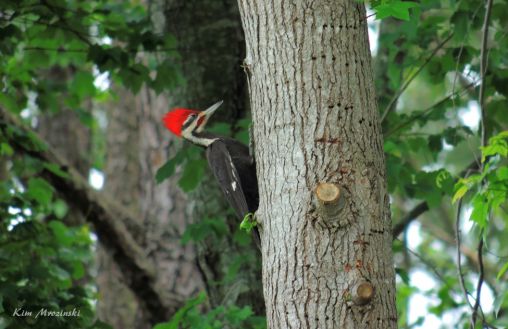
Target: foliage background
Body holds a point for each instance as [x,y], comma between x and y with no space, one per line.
[71,59]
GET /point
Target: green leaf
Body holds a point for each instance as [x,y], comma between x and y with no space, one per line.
[444,181]
[480,210]
[502,174]
[99,56]
[501,296]
[460,19]
[78,270]
[460,193]
[392,148]
[174,323]
[199,231]
[85,117]
[9,102]
[497,145]
[60,208]
[6,149]
[165,171]
[242,238]
[61,233]
[500,148]
[397,9]
[248,223]
[168,169]
[236,315]
[64,278]
[55,169]
[40,190]
[220,128]
[83,84]
[402,273]
[502,271]
[192,174]
[425,188]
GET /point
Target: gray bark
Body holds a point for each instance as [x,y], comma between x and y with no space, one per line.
[136,149]
[316,120]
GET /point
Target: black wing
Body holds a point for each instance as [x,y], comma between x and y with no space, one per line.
[225,171]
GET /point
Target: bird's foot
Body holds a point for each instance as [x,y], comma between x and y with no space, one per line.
[248,222]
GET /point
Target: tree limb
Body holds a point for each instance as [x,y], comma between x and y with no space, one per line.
[412,215]
[115,228]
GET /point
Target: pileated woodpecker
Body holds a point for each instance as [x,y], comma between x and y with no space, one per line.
[228,159]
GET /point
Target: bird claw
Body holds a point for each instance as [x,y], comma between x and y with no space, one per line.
[248,222]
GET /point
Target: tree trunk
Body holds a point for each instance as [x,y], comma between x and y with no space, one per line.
[326,248]
[135,151]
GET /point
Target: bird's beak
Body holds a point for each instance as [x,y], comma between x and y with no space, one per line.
[206,114]
[211,110]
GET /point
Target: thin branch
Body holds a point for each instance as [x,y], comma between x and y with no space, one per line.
[431,266]
[480,282]
[408,81]
[459,256]
[469,253]
[483,69]
[481,100]
[59,49]
[429,109]
[46,24]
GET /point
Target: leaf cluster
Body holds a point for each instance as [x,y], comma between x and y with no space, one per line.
[428,78]
[44,264]
[190,316]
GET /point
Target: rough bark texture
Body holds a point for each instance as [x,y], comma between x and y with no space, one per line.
[117,304]
[137,145]
[316,120]
[211,42]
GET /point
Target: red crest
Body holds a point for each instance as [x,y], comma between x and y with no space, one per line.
[174,119]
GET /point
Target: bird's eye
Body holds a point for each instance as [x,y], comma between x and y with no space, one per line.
[193,115]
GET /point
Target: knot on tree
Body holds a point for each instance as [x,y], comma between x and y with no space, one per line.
[330,202]
[362,293]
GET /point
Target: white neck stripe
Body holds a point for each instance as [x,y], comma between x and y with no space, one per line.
[198,141]
[187,134]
